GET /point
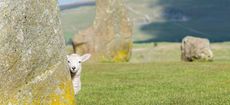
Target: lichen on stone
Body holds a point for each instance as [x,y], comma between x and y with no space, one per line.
[32,54]
[109,38]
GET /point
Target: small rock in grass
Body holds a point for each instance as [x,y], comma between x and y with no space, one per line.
[196,49]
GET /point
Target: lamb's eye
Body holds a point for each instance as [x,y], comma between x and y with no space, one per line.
[79,61]
[68,61]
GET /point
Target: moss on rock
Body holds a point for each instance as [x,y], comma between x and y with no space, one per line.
[32,55]
[109,38]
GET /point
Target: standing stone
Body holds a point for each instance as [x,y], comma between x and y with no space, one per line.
[110,37]
[33,69]
[196,49]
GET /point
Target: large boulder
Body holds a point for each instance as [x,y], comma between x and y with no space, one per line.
[196,49]
[33,69]
[110,36]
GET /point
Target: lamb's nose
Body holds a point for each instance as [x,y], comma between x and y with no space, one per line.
[73,68]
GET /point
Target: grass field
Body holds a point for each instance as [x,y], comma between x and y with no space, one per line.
[156,76]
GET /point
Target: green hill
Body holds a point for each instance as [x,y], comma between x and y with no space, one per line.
[204,18]
[163,20]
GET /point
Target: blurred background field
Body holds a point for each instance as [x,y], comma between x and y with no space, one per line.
[155,74]
[162,20]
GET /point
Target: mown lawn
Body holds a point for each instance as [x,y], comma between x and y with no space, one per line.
[158,82]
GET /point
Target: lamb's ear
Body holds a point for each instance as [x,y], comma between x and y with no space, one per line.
[67,56]
[85,57]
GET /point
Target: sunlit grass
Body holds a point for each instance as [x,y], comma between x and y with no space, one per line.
[163,83]
[166,81]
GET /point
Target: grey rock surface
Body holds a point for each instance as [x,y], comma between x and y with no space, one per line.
[33,69]
[110,36]
[196,49]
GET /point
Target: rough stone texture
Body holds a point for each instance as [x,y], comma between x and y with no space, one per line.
[33,69]
[196,49]
[110,37]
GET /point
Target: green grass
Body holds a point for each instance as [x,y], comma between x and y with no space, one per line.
[164,83]
[161,79]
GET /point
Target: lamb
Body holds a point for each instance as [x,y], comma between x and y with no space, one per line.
[74,62]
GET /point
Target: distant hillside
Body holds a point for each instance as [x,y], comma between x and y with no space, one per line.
[163,20]
[77,5]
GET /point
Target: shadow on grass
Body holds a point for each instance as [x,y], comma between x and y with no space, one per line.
[204,18]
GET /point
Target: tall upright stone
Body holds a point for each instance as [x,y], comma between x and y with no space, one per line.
[33,69]
[110,36]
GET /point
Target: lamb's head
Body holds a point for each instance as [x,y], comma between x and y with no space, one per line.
[75,60]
